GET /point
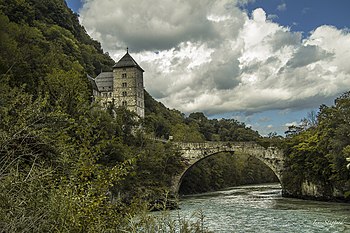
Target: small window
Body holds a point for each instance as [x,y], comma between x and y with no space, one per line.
[110,94]
[124,75]
[124,103]
[125,93]
[125,84]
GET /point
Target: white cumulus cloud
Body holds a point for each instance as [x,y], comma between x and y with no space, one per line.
[210,56]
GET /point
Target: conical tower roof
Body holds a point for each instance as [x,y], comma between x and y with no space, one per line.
[127,61]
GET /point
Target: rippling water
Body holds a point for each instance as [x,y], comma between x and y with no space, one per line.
[261,208]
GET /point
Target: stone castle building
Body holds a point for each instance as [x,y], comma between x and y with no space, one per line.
[121,87]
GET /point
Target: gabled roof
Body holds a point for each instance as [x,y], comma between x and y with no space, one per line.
[127,61]
[93,83]
[104,81]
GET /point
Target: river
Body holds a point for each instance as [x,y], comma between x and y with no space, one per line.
[261,208]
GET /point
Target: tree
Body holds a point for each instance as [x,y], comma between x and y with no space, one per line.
[318,154]
[293,130]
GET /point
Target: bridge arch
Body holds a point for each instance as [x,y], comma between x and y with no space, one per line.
[193,153]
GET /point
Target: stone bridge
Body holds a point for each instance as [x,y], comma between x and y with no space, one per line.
[194,152]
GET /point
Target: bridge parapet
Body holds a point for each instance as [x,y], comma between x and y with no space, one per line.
[203,149]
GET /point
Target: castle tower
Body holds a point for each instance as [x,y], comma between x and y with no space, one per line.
[128,90]
[123,86]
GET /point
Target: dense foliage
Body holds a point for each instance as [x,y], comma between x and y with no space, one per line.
[225,170]
[66,165]
[38,37]
[318,154]
[163,122]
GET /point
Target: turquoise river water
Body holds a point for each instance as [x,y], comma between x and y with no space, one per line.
[261,208]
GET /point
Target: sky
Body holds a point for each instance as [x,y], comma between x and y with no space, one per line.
[267,63]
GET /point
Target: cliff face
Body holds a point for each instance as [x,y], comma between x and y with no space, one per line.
[311,189]
[315,191]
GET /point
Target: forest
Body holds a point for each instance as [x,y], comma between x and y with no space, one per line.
[68,165]
[317,151]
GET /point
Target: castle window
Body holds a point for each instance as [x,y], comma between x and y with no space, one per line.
[124,103]
[110,94]
[124,75]
[125,84]
[125,93]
